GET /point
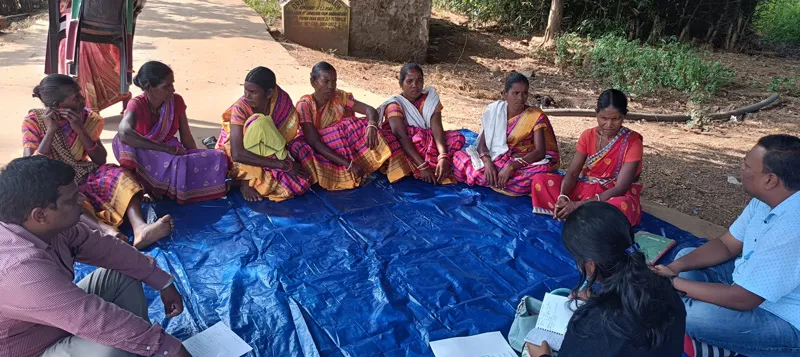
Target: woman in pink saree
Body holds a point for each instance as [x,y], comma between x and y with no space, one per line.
[146,143]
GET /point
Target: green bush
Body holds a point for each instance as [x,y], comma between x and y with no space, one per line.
[784,85]
[268,9]
[643,69]
[777,21]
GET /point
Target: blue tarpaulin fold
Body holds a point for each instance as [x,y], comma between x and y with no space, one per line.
[377,271]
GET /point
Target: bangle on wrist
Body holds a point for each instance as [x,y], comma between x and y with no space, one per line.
[93,148]
[350,165]
[563,196]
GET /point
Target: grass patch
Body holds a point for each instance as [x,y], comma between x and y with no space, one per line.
[777,21]
[784,85]
[643,69]
[268,9]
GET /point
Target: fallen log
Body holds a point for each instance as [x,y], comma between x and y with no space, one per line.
[674,118]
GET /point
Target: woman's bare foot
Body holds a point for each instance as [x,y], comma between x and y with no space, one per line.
[151,233]
[250,194]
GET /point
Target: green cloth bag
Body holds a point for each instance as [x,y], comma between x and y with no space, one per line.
[525,319]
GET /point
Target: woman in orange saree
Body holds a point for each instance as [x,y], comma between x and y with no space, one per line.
[606,167]
[516,144]
[69,132]
[415,134]
[255,131]
[337,148]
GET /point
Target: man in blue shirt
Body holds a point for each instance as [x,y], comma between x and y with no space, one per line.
[743,289]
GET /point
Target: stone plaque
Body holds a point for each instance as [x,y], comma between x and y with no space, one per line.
[318,24]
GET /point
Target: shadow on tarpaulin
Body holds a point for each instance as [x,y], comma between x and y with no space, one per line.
[377,271]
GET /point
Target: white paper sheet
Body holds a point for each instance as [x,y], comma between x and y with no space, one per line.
[490,344]
[217,341]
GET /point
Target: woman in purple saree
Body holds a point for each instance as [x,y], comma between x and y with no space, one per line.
[146,143]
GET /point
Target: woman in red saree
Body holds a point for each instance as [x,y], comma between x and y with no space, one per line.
[69,132]
[335,147]
[606,167]
[255,131]
[516,144]
[146,143]
[415,134]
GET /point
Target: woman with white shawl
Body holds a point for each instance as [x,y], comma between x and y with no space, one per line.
[516,142]
[415,134]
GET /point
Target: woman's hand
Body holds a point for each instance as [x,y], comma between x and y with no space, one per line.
[356,170]
[74,118]
[537,351]
[490,171]
[505,175]
[561,214]
[372,136]
[428,175]
[443,170]
[297,169]
[174,150]
[51,119]
[560,204]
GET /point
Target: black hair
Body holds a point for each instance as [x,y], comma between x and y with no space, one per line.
[262,77]
[516,77]
[151,74]
[54,88]
[612,98]
[408,68]
[319,67]
[633,303]
[31,182]
[782,158]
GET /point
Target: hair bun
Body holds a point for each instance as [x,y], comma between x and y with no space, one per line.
[36,92]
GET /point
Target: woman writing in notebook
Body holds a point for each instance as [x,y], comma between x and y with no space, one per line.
[636,313]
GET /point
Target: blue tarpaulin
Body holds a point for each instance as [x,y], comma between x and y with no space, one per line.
[377,271]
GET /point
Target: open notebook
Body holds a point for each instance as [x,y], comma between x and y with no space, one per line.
[553,320]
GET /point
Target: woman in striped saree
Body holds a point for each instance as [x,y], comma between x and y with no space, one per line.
[146,143]
[69,132]
[255,130]
[98,66]
[516,143]
[415,134]
[606,167]
[337,148]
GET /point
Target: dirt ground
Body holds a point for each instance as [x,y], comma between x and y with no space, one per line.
[685,169]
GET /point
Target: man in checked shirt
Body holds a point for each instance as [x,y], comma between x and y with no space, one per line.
[42,312]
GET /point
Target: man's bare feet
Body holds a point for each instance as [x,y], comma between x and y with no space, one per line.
[151,233]
[250,194]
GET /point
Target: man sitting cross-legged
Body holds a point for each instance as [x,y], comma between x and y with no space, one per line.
[42,312]
[750,305]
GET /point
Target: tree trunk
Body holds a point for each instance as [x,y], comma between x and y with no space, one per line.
[553,23]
